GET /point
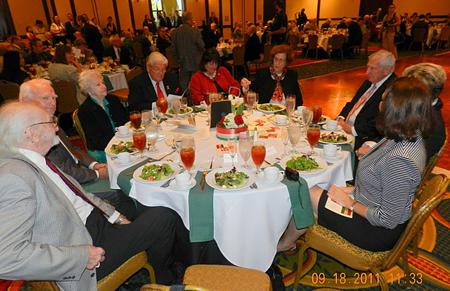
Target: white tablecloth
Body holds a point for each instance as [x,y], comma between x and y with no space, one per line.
[118,81]
[247,223]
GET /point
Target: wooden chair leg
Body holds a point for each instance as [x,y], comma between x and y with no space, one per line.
[299,274]
[383,282]
[406,269]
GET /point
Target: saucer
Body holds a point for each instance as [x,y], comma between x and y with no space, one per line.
[173,185]
[133,160]
[274,122]
[338,156]
[128,135]
[339,128]
[262,178]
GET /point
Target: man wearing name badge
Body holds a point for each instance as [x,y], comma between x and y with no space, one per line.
[153,84]
[358,116]
[72,160]
[50,229]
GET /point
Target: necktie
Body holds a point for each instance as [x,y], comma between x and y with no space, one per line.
[72,187]
[159,91]
[362,101]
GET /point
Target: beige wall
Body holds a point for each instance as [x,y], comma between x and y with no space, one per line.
[435,7]
[105,8]
[139,10]
[197,7]
[63,7]
[24,15]
[85,6]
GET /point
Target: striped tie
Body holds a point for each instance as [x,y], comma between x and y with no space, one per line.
[362,101]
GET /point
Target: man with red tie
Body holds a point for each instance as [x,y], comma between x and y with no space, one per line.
[50,229]
[155,83]
[358,115]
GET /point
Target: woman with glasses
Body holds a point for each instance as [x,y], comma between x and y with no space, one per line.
[275,83]
[211,78]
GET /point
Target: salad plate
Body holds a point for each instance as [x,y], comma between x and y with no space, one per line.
[238,180]
[183,112]
[173,185]
[270,108]
[160,171]
[304,164]
[333,137]
[120,147]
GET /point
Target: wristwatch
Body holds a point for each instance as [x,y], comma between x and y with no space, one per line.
[121,218]
[352,207]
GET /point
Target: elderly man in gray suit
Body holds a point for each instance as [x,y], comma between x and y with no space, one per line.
[50,229]
[187,47]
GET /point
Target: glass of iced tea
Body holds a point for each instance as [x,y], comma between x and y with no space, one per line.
[187,152]
[135,119]
[162,105]
[313,135]
[317,114]
[258,154]
[140,141]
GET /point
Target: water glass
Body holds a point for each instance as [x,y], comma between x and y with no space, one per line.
[294,133]
[245,149]
[290,104]
[232,150]
[285,138]
[176,106]
[146,116]
[151,132]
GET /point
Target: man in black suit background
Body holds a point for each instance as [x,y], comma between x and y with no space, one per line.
[163,41]
[358,116]
[118,51]
[153,84]
[37,53]
[211,36]
[92,37]
[144,41]
[354,36]
[252,46]
[71,26]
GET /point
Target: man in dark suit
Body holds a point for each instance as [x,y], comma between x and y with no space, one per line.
[163,41]
[92,36]
[354,36]
[153,84]
[279,26]
[48,40]
[358,115]
[118,51]
[37,53]
[420,24]
[69,158]
[144,41]
[211,36]
[71,26]
[252,46]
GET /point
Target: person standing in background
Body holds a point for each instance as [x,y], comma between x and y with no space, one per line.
[391,23]
[279,25]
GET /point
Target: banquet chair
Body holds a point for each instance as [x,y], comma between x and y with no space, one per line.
[364,44]
[266,58]
[78,127]
[238,59]
[9,90]
[419,37]
[122,94]
[67,95]
[333,245]
[312,44]
[139,53]
[173,64]
[337,42]
[227,278]
[293,41]
[156,287]
[113,280]
[444,37]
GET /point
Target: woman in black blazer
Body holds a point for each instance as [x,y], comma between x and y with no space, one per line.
[99,114]
[275,83]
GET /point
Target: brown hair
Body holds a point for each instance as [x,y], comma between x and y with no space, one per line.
[281,49]
[407,111]
[209,55]
[60,54]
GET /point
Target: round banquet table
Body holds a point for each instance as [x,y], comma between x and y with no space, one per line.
[249,222]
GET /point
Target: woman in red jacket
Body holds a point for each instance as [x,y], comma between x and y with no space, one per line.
[211,78]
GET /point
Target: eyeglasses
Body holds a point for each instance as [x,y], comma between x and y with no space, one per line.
[276,60]
[54,120]
[159,70]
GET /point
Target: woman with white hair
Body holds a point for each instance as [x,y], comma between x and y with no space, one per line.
[99,114]
[434,77]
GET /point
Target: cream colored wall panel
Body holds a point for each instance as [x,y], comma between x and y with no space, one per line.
[105,8]
[435,7]
[197,8]
[62,7]
[124,14]
[139,10]
[238,12]
[85,6]
[249,13]
[294,6]
[226,14]
[339,8]
[25,15]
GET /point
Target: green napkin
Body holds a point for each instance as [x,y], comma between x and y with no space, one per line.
[300,201]
[123,180]
[201,212]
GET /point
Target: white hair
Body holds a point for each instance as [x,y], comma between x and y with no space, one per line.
[15,118]
[430,74]
[86,81]
[157,57]
[112,37]
[30,88]
[385,58]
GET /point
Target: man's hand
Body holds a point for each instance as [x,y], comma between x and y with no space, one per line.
[245,83]
[99,166]
[347,128]
[96,255]
[103,173]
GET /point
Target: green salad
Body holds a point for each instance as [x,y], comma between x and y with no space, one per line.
[156,172]
[302,163]
[230,179]
[322,119]
[123,146]
[182,111]
[270,107]
[333,137]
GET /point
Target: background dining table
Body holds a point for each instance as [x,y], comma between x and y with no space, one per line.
[249,222]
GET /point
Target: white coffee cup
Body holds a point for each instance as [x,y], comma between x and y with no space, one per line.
[124,158]
[271,174]
[300,109]
[183,180]
[331,150]
[123,130]
[280,119]
[332,124]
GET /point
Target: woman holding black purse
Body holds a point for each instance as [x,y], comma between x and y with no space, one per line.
[390,25]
